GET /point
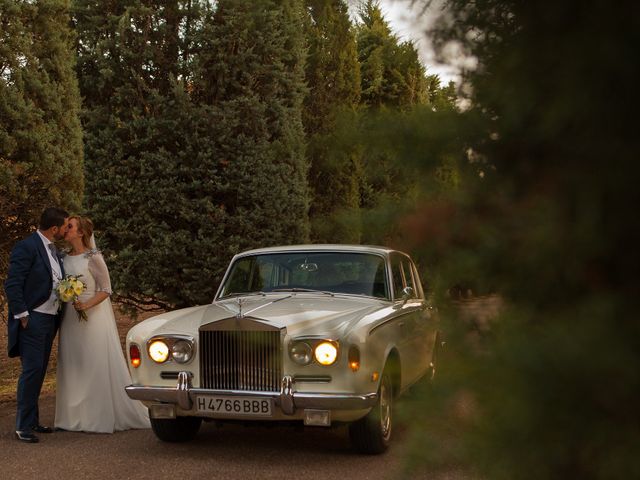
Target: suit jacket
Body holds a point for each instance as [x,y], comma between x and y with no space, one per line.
[28,285]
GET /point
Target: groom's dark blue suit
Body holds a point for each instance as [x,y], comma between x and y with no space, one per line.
[28,285]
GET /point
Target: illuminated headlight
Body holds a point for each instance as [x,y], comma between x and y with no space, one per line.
[181,351]
[159,351]
[326,353]
[300,353]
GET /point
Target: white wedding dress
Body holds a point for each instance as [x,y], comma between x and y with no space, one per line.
[92,371]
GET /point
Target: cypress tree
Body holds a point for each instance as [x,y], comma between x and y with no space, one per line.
[392,75]
[41,160]
[251,75]
[385,84]
[194,139]
[333,78]
[151,174]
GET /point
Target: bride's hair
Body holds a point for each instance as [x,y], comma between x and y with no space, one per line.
[86,227]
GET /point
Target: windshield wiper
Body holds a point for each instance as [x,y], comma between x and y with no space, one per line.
[297,289]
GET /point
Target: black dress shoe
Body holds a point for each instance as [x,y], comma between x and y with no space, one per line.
[41,429]
[26,437]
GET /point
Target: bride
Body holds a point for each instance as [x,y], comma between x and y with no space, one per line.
[92,371]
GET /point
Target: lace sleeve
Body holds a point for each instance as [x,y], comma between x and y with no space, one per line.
[100,273]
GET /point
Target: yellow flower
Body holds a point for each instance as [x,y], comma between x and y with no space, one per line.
[78,287]
[67,295]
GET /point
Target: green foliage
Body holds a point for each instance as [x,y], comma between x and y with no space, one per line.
[426,162]
[152,174]
[41,161]
[194,139]
[333,79]
[543,215]
[251,73]
[393,82]
[391,72]
[332,69]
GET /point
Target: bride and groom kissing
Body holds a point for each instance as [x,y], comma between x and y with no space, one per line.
[91,371]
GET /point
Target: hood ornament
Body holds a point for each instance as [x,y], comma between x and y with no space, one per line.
[239,315]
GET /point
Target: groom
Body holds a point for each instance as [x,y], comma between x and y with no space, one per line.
[35,269]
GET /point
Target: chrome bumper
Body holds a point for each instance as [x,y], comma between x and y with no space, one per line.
[184,395]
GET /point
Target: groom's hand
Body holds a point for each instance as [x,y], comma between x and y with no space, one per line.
[24,321]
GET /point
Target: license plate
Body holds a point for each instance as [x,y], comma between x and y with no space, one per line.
[257,407]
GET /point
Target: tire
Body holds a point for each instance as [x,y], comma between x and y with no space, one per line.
[180,429]
[372,433]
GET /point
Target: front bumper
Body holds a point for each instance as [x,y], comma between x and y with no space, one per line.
[287,400]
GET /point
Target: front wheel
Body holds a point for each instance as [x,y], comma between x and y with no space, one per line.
[180,429]
[372,433]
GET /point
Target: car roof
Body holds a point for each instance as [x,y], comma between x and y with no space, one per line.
[321,248]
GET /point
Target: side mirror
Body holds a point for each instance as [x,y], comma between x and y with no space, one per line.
[407,293]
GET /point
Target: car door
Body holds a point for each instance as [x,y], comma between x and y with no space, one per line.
[426,324]
[420,322]
[409,313]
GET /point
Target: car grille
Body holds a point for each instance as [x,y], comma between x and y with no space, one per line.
[240,360]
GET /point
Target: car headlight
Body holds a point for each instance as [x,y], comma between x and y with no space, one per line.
[301,353]
[326,353]
[181,351]
[159,351]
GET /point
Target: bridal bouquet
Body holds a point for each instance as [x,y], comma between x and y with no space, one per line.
[69,289]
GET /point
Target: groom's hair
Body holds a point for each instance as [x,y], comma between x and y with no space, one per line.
[52,217]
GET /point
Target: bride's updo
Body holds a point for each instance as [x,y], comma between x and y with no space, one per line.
[86,227]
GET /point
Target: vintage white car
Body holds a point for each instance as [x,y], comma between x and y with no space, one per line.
[319,334]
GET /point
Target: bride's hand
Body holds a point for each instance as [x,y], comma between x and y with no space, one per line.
[79,305]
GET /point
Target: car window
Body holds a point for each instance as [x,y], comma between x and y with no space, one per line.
[408,274]
[336,272]
[404,274]
[398,276]
[416,280]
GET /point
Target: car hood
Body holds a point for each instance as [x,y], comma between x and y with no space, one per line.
[299,313]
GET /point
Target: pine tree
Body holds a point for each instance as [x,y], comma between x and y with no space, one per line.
[41,161]
[333,78]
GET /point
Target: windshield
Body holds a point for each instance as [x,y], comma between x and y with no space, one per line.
[335,272]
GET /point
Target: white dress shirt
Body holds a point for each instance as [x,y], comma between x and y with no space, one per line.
[51,305]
